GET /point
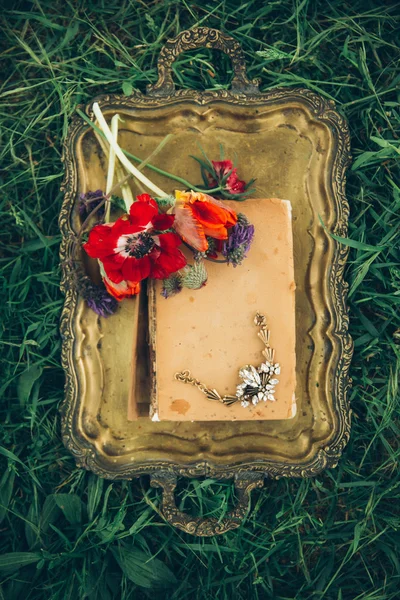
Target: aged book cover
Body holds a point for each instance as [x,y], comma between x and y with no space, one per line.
[211,331]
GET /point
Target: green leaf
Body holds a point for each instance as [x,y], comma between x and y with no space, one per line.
[34,245]
[355,244]
[105,501]
[15,560]
[361,273]
[50,513]
[26,382]
[119,63]
[95,490]
[118,202]
[369,158]
[16,272]
[6,488]
[32,533]
[272,54]
[384,143]
[127,88]
[349,242]
[10,455]
[72,31]
[108,530]
[143,570]
[206,166]
[71,505]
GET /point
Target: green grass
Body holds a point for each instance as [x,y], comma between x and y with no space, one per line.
[335,537]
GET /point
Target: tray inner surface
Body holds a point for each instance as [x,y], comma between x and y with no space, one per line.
[289,153]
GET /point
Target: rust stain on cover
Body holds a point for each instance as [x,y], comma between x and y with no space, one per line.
[180,406]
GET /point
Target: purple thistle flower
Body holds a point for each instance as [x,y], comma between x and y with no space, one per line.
[96,296]
[237,245]
[172,285]
[103,305]
[89,201]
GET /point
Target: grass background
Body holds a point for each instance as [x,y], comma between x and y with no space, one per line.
[67,534]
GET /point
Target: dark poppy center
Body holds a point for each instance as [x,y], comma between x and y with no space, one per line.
[139,245]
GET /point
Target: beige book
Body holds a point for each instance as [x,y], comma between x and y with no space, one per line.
[211,331]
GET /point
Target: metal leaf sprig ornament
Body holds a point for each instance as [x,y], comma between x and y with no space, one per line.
[258,383]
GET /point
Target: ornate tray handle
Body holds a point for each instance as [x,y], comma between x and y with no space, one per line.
[245,482]
[197,38]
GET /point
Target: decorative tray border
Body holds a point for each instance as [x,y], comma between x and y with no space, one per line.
[162,94]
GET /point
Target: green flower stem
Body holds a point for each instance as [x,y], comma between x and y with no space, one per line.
[184,182]
[122,157]
[126,191]
[111,165]
[119,175]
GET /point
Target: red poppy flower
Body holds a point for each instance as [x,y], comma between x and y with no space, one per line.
[198,215]
[233,184]
[134,247]
[222,167]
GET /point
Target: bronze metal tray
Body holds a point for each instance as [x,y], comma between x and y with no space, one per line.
[297,146]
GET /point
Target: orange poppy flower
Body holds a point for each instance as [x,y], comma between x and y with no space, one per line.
[121,290]
[198,215]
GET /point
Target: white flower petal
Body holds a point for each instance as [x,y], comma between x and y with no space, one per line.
[122,242]
[248,380]
[243,373]
[255,374]
[250,376]
[274,381]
